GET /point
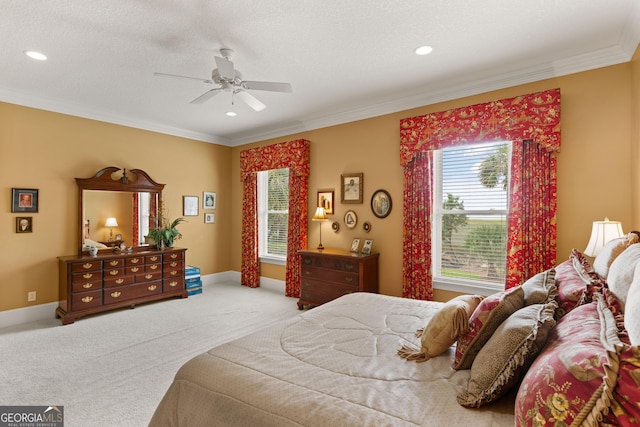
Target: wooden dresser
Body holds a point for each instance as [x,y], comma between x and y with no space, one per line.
[328,274]
[93,284]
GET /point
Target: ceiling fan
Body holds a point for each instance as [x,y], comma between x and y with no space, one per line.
[230,80]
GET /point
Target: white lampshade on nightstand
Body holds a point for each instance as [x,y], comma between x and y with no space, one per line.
[601,233]
[320,215]
[111,222]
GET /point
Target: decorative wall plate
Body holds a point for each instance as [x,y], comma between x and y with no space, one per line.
[335,226]
[350,219]
[381,203]
[366,226]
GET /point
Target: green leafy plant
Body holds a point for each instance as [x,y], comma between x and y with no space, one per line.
[165,232]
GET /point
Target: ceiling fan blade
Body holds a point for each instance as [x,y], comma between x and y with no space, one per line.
[250,100]
[270,86]
[225,68]
[206,96]
[184,77]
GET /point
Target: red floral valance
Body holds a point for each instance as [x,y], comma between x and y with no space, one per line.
[294,155]
[534,116]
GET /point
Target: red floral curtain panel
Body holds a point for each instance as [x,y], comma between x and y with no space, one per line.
[294,155]
[135,238]
[534,117]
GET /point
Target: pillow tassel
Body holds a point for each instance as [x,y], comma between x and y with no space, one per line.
[412,353]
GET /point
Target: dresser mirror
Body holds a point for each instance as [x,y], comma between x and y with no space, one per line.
[115,207]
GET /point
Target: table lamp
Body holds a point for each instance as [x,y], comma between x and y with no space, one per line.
[320,215]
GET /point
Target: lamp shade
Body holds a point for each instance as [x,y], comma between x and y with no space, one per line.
[601,233]
[320,214]
[111,222]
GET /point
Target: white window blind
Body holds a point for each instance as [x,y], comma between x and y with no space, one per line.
[273,213]
[470,213]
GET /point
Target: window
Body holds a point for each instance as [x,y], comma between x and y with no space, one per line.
[273,214]
[470,214]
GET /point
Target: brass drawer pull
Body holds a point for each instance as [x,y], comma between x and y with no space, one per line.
[173,284]
[154,258]
[116,294]
[135,260]
[148,276]
[173,256]
[113,263]
[119,281]
[174,272]
[87,299]
[88,285]
[307,272]
[153,267]
[348,279]
[135,269]
[113,272]
[152,287]
[87,275]
[87,265]
[173,264]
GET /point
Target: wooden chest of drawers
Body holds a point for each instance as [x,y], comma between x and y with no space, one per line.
[328,274]
[110,280]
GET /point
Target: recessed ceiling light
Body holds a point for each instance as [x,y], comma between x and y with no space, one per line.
[423,50]
[35,55]
[231,114]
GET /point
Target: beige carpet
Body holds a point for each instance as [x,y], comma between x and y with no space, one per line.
[112,369]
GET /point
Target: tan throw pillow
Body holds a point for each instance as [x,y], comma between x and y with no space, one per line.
[505,358]
[485,319]
[541,288]
[443,329]
[632,313]
[611,250]
[621,273]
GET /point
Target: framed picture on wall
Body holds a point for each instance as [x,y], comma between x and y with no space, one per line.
[24,224]
[209,218]
[24,200]
[208,200]
[381,203]
[325,199]
[190,205]
[351,187]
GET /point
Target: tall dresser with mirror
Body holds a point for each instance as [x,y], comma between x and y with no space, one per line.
[124,276]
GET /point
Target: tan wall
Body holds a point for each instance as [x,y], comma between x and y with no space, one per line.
[594,168]
[47,151]
[635,138]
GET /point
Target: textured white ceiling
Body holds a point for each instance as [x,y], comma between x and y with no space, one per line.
[346,60]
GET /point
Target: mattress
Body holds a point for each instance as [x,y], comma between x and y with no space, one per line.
[334,365]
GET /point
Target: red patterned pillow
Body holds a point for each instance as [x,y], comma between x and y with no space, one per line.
[585,376]
[575,282]
[567,374]
[485,319]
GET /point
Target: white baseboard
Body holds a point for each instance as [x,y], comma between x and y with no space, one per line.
[47,311]
[28,314]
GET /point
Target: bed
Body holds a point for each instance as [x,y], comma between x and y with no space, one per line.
[334,365]
[561,349]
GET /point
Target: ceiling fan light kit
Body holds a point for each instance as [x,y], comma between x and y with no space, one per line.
[229,79]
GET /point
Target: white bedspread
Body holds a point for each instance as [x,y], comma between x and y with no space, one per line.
[334,365]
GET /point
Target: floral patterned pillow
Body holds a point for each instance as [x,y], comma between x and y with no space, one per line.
[485,319]
[574,282]
[584,376]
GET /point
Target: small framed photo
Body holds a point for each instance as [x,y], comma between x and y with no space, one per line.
[209,218]
[118,236]
[381,203]
[350,219]
[351,187]
[24,200]
[355,245]
[325,199]
[366,248]
[208,200]
[190,205]
[24,224]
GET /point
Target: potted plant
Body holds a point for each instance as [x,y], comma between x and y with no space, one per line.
[165,231]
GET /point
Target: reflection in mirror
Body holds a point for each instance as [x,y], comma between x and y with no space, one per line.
[129,199]
[132,224]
